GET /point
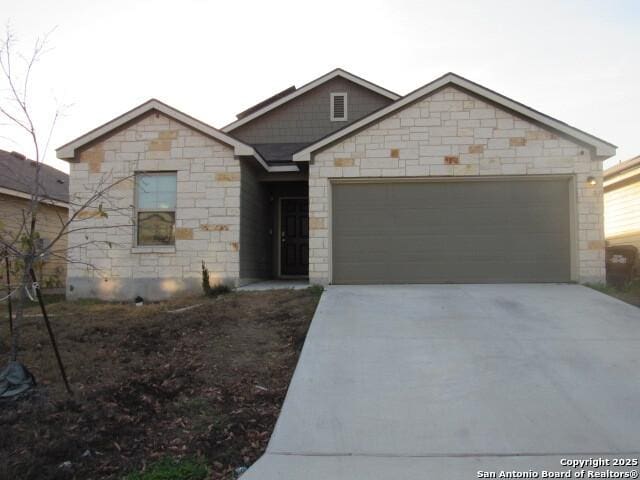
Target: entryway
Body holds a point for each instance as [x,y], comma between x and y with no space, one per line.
[274,228]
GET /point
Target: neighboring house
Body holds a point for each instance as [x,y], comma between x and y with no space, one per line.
[16,184]
[345,182]
[622,203]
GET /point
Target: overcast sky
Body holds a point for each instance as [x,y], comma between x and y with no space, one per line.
[578,61]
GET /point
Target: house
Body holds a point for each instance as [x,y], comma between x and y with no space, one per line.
[16,187]
[344,181]
[622,203]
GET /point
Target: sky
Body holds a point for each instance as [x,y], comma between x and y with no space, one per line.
[578,61]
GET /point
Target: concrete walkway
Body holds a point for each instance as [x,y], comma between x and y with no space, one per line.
[442,381]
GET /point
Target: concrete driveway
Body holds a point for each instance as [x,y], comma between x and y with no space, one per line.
[444,381]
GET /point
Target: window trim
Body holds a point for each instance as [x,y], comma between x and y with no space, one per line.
[138,210]
[332,105]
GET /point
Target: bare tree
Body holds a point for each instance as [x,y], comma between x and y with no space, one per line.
[23,245]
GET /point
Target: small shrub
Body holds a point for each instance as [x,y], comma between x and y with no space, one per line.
[173,469]
[206,284]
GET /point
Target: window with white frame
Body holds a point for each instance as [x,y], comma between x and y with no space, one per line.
[156,208]
[339,107]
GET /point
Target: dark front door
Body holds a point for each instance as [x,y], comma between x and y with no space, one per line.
[294,237]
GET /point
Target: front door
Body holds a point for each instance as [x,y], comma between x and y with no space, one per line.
[294,236]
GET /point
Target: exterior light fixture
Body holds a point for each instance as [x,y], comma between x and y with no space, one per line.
[592,181]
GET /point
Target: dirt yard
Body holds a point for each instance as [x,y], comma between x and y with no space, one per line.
[152,383]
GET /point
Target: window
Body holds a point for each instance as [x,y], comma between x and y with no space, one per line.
[338,107]
[156,208]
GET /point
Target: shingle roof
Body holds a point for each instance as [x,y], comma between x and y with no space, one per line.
[278,152]
[18,173]
[266,102]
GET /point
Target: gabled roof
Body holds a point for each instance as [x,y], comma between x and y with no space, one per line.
[68,151]
[603,149]
[18,175]
[272,104]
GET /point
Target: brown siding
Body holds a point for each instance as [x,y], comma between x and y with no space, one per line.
[306,118]
[52,272]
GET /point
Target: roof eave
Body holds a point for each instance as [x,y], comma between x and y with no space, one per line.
[68,151]
[27,196]
[603,150]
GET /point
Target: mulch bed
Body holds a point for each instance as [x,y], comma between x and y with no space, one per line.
[204,382]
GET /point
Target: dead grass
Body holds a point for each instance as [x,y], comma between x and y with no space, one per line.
[205,383]
[629,293]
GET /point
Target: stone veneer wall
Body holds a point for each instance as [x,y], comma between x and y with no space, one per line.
[207,215]
[447,127]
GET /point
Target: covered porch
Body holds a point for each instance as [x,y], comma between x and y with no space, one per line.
[274,225]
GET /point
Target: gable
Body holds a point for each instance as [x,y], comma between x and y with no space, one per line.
[151,137]
[153,106]
[453,126]
[283,97]
[307,117]
[474,92]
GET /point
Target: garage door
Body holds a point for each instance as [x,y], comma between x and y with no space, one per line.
[461,232]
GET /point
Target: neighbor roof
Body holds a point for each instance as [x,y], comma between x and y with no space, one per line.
[603,149]
[280,99]
[68,151]
[18,175]
[622,167]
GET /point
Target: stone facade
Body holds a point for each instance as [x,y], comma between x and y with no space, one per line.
[451,133]
[207,213]
[52,272]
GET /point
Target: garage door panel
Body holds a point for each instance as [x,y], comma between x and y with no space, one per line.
[360,222]
[374,272]
[471,231]
[362,196]
[536,218]
[363,249]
